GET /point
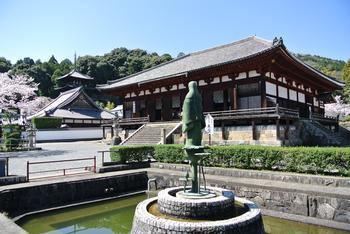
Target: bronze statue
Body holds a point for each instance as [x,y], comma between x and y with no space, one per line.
[192,116]
[192,124]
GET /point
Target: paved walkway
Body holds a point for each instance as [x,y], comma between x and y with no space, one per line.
[55,151]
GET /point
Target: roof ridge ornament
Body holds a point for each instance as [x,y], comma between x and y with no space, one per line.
[277,41]
[281,41]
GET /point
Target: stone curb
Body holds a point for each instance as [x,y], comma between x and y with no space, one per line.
[249,223]
[321,180]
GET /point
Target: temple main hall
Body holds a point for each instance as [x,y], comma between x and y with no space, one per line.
[257,91]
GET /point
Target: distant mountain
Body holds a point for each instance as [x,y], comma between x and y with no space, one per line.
[331,67]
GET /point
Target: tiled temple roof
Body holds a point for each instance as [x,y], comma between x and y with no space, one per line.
[75,74]
[60,107]
[236,51]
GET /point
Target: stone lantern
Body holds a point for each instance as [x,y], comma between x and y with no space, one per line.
[31,134]
[116,140]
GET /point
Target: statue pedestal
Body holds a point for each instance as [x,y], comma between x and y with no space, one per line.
[195,154]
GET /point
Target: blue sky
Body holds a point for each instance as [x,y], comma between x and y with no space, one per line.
[40,28]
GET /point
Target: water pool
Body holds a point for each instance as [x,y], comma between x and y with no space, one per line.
[115,216]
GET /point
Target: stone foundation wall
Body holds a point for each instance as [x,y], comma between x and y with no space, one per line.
[32,198]
[242,135]
[282,199]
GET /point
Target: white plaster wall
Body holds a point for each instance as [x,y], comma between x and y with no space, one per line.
[253,73]
[282,92]
[292,95]
[69,134]
[271,88]
[301,97]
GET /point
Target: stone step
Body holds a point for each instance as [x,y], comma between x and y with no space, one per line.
[150,134]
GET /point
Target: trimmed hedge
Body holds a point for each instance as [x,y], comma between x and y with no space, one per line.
[124,154]
[12,136]
[312,160]
[47,122]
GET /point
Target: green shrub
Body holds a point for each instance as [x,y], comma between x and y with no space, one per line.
[312,160]
[169,153]
[11,135]
[124,154]
[346,118]
[47,122]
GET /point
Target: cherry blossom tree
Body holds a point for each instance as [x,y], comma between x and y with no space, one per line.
[36,105]
[339,108]
[16,91]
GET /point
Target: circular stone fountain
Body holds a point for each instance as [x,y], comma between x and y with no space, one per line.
[196,209]
[219,214]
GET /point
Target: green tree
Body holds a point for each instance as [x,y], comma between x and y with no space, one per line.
[346,72]
[53,60]
[110,105]
[5,65]
[104,71]
[118,63]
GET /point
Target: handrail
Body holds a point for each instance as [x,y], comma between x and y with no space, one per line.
[64,160]
[62,169]
[317,115]
[140,120]
[275,112]
[324,118]
[173,130]
[103,154]
[132,134]
[125,121]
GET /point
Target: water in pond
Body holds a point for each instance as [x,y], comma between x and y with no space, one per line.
[115,216]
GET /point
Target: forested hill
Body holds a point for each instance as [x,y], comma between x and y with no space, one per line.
[328,66]
[118,63]
[121,62]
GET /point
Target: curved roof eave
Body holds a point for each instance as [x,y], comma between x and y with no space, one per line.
[313,70]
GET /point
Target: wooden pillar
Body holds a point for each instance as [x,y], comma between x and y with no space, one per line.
[263,94]
[278,132]
[207,100]
[254,135]
[336,129]
[286,131]
[223,130]
[166,108]
[151,108]
[225,96]
[234,97]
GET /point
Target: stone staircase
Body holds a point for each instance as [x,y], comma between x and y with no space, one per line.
[150,133]
[313,133]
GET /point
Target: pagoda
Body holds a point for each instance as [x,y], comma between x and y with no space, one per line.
[72,80]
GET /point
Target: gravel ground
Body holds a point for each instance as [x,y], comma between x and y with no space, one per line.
[56,151]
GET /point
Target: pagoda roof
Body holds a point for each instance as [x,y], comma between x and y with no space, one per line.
[213,57]
[75,74]
[62,107]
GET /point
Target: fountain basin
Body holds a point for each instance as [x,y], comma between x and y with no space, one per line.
[215,202]
[146,222]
